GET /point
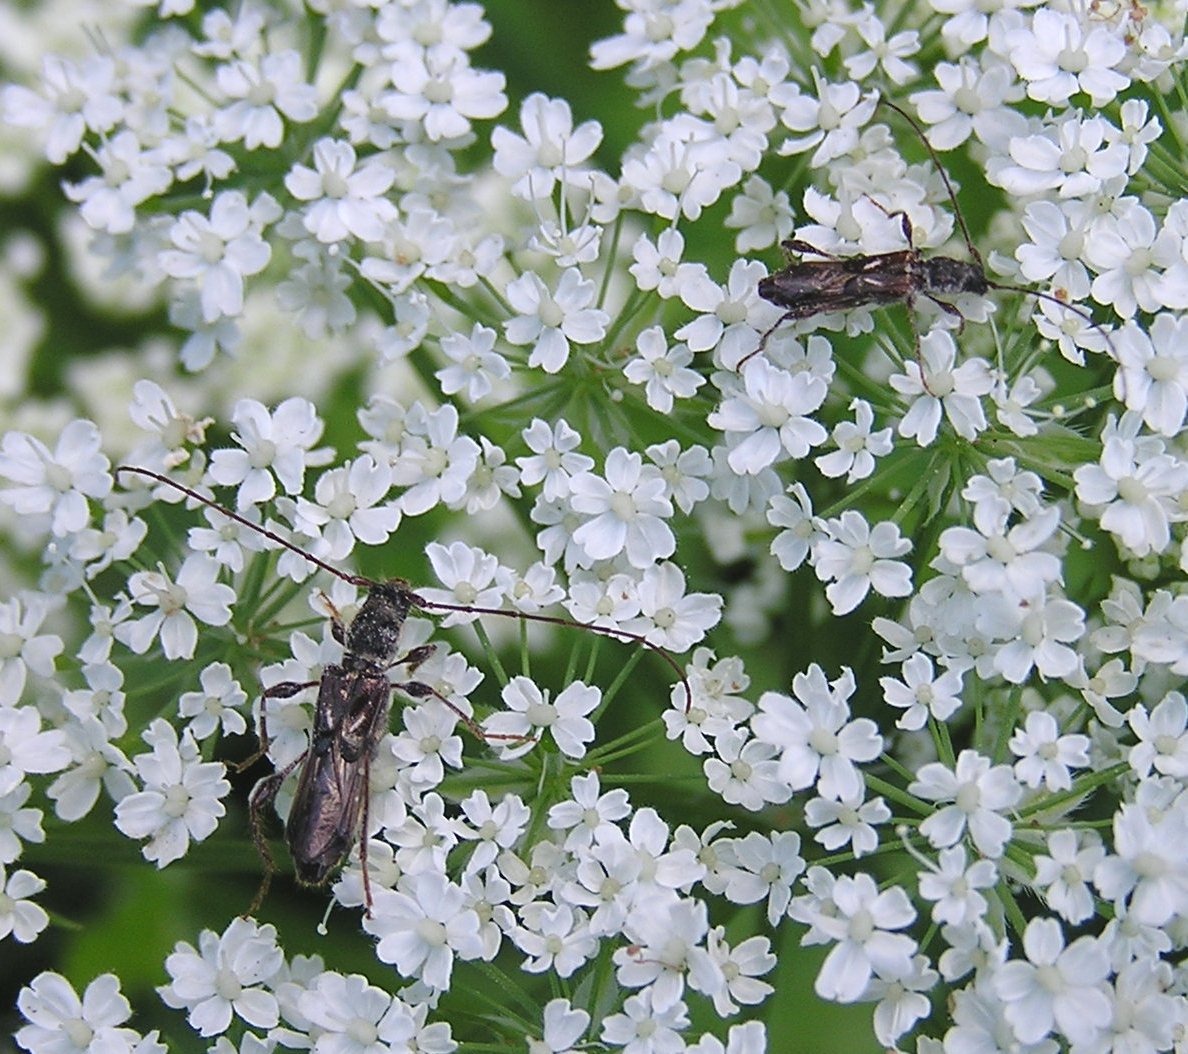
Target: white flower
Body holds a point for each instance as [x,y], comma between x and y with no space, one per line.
[347,1015]
[19,916]
[994,559]
[475,364]
[554,458]
[551,149]
[435,463]
[1073,157]
[1061,54]
[850,821]
[853,559]
[1162,738]
[765,868]
[745,772]
[670,617]
[217,705]
[1126,254]
[761,215]
[1036,634]
[1064,876]
[830,123]
[117,539]
[969,100]
[61,1023]
[1155,371]
[491,479]
[26,650]
[1148,870]
[935,384]
[427,744]
[770,422]
[881,52]
[861,924]
[558,938]
[315,293]
[1136,487]
[819,742]
[921,694]
[217,253]
[129,176]
[794,513]
[95,763]
[18,825]
[437,89]
[642,1028]
[25,748]
[607,882]
[1045,756]
[666,951]
[193,594]
[563,1026]
[684,472]
[350,505]
[472,579]
[345,198]
[683,22]
[460,26]
[422,925]
[550,321]
[662,370]
[225,975]
[181,799]
[261,94]
[530,715]
[589,815]
[227,540]
[277,443]
[494,828]
[1010,406]
[731,315]
[423,837]
[953,886]
[627,511]
[857,446]
[1054,252]
[684,170]
[55,484]
[902,1001]
[74,99]
[980,794]
[1056,987]
[740,967]
[658,266]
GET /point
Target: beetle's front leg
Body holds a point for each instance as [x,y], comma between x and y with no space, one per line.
[281,690]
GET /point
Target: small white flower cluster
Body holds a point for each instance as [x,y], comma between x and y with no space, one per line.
[576,409]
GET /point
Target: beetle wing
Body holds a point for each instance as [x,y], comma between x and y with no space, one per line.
[816,287]
[324,817]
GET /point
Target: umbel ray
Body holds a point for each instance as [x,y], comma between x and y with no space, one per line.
[829,283]
[330,805]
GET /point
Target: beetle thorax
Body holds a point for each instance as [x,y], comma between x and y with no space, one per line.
[374,634]
[943,274]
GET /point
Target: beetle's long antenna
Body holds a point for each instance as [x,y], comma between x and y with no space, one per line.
[272,536]
[559,620]
[936,163]
[427,605]
[884,101]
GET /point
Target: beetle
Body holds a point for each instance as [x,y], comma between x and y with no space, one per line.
[330,805]
[808,287]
